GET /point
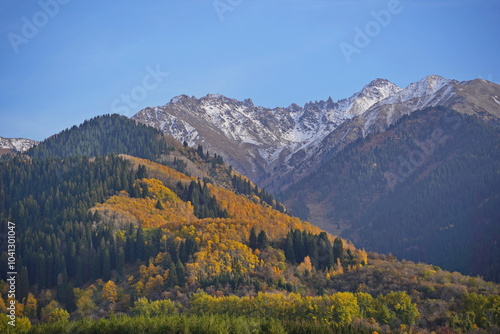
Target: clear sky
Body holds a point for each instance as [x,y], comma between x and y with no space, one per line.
[64,61]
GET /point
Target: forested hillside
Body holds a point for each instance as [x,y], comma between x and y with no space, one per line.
[101,136]
[111,243]
[425,190]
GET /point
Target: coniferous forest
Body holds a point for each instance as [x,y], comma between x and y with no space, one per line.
[119,228]
[424,190]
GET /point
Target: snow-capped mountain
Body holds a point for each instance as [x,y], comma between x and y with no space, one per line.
[281,145]
[255,139]
[17,144]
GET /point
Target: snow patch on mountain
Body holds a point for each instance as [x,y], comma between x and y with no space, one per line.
[17,144]
[425,87]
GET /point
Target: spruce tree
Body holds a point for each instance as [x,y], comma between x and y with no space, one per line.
[262,240]
[253,243]
[289,251]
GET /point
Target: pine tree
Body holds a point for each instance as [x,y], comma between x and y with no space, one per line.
[200,152]
[338,250]
[120,261]
[159,206]
[181,278]
[23,289]
[142,172]
[106,265]
[289,251]
[253,243]
[172,279]
[262,240]
[183,252]
[140,245]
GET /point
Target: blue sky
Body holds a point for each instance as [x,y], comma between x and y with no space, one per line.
[64,61]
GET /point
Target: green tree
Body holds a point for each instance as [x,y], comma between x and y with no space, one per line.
[30,306]
[253,239]
[142,172]
[159,206]
[400,303]
[262,240]
[289,249]
[344,308]
[58,315]
[485,309]
[154,308]
[338,250]
[23,284]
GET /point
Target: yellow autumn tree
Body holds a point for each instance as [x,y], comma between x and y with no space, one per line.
[224,257]
[305,266]
[3,308]
[58,315]
[19,307]
[344,307]
[84,301]
[30,306]
[154,287]
[110,294]
[47,310]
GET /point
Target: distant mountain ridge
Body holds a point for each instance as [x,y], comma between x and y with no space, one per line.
[277,147]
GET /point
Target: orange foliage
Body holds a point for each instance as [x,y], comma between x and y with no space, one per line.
[166,174]
[222,258]
[122,209]
[243,212]
[275,223]
[222,240]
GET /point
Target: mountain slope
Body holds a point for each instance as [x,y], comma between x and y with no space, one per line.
[426,189]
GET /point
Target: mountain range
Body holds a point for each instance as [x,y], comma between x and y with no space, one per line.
[277,147]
